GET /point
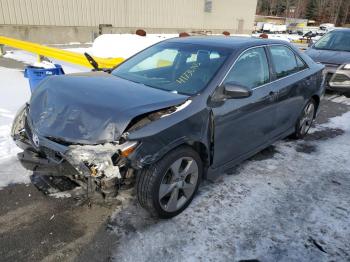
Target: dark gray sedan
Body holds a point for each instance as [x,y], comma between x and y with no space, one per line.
[180,111]
[333,50]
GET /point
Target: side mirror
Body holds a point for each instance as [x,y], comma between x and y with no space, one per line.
[233,90]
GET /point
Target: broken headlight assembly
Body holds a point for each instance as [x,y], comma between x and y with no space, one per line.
[104,160]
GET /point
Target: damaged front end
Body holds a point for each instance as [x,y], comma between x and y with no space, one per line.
[102,168]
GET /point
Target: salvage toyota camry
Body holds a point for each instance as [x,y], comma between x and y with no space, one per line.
[180,111]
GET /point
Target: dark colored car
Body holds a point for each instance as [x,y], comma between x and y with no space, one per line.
[333,50]
[183,110]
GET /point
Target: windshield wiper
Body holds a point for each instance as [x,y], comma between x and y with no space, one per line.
[95,65]
[92,61]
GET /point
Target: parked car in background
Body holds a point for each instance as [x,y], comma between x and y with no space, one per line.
[180,111]
[333,50]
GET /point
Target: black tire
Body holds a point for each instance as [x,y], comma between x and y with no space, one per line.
[148,181]
[301,132]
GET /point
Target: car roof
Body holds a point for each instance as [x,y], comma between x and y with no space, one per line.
[234,42]
[340,30]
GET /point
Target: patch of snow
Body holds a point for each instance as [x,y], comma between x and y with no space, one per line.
[15,92]
[124,45]
[22,56]
[44,64]
[61,195]
[32,59]
[341,122]
[12,172]
[242,35]
[80,50]
[7,147]
[270,210]
[338,99]
[283,37]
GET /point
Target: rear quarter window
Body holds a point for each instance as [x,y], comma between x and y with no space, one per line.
[285,61]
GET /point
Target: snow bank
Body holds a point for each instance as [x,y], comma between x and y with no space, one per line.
[12,172]
[124,45]
[32,59]
[14,93]
[283,37]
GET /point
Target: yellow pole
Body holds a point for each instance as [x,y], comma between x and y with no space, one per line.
[59,54]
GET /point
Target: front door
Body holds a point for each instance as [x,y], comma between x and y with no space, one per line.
[242,125]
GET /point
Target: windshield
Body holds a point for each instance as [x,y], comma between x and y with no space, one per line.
[335,40]
[175,67]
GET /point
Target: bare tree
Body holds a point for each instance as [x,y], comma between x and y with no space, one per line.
[331,11]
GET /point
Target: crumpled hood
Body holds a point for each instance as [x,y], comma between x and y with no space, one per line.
[329,57]
[92,108]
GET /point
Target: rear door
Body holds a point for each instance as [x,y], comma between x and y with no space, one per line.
[290,86]
[242,125]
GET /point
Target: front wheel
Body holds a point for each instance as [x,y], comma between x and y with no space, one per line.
[167,187]
[305,120]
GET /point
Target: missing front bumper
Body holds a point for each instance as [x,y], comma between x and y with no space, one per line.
[45,170]
[96,168]
[103,168]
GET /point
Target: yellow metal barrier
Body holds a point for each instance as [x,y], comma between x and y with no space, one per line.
[300,41]
[59,54]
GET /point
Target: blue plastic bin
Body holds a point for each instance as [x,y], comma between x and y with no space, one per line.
[36,74]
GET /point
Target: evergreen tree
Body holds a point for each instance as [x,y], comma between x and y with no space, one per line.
[311,10]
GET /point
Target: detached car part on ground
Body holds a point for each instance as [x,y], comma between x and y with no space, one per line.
[178,112]
[333,50]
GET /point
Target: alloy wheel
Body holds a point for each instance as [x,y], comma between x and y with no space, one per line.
[307,119]
[178,184]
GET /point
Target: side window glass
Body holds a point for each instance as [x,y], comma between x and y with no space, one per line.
[284,61]
[251,69]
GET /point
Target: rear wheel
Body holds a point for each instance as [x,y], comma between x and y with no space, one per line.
[305,120]
[166,188]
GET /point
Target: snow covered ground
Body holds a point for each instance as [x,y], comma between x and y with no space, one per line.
[284,37]
[274,209]
[14,93]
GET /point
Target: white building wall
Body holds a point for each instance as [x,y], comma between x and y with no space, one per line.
[167,14]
